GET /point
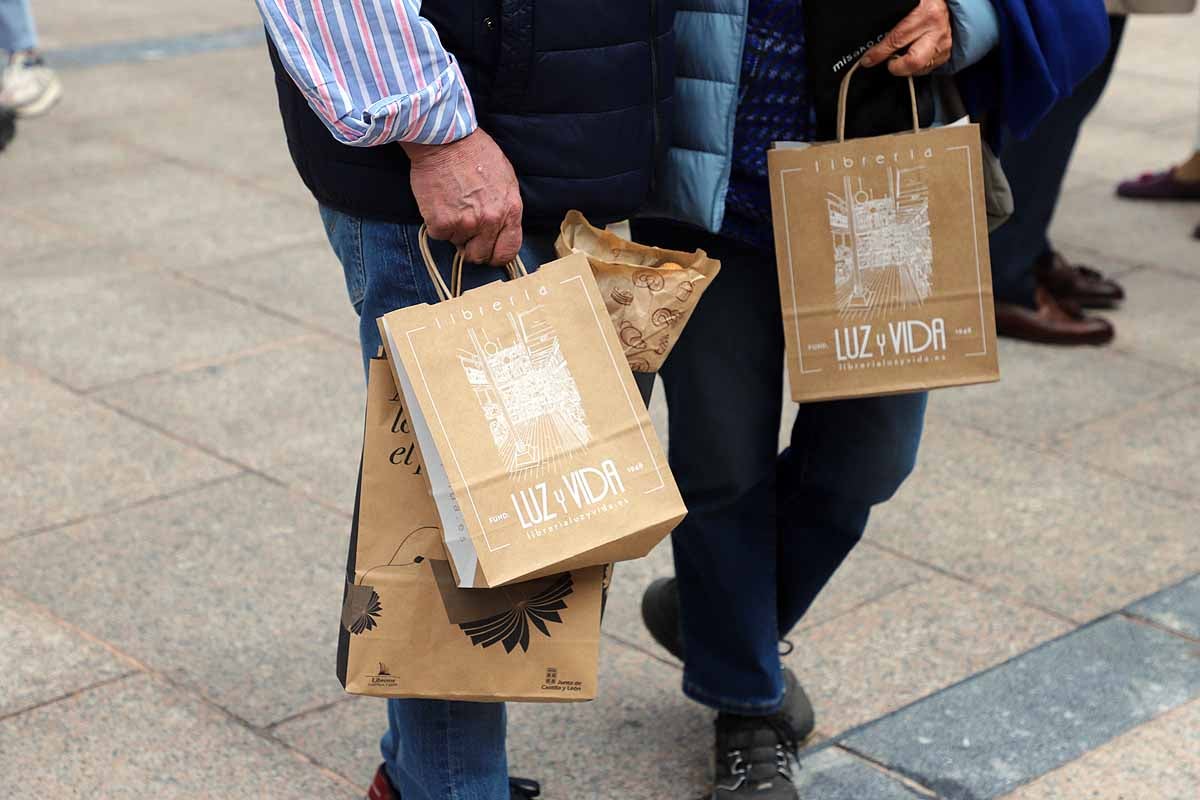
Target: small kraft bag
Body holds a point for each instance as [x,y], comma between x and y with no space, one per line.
[882,252]
[540,453]
[408,631]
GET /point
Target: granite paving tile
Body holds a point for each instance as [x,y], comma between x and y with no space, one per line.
[305,281]
[1138,100]
[40,659]
[833,774]
[988,735]
[1040,527]
[232,590]
[1160,317]
[1160,45]
[137,738]
[1104,149]
[63,457]
[89,331]
[1154,442]
[1159,759]
[46,153]
[906,645]
[294,412]
[1154,234]
[62,23]
[343,737]
[272,225]
[1046,390]
[641,739]
[1177,608]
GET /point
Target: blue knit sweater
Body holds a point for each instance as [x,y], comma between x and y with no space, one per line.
[774,106]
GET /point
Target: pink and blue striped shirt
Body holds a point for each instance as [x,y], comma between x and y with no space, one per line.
[374,71]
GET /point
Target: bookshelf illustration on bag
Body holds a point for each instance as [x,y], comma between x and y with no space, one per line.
[526,392]
[882,247]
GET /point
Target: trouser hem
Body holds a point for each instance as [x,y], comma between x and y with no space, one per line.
[729,705]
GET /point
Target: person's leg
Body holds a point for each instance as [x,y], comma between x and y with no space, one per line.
[17,32]
[433,749]
[844,457]
[1036,168]
[723,385]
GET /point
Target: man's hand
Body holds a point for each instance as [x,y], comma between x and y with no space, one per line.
[925,32]
[467,193]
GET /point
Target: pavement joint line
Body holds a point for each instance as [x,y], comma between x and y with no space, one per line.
[188,367]
[315,328]
[983,588]
[1134,617]
[906,781]
[247,469]
[838,740]
[307,712]
[630,644]
[119,509]
[964,791]
[1047,447]
[1141,403]
[872,599]
[69,695]
[156,49]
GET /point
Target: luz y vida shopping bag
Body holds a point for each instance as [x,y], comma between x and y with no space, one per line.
[540,452]
[408,631]
[882,252]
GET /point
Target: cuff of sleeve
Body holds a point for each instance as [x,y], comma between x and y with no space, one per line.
[976,32]
[439,113]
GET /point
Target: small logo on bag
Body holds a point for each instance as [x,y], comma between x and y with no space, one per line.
[511,628]
[383,670]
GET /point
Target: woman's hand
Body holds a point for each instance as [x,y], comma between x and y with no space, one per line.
[925,32]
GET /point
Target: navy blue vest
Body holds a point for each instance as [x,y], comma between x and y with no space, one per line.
[577,93]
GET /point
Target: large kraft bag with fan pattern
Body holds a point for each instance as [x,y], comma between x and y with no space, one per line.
[407,630]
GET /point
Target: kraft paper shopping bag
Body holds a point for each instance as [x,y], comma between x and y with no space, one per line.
[408,631]
[882,253]
[540,452]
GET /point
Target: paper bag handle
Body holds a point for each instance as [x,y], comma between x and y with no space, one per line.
[844,92]
[515,268]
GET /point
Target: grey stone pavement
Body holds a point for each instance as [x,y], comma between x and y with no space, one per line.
[181,399]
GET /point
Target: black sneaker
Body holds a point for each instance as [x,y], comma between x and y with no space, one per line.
[660,613]
[381,788]
[755,757]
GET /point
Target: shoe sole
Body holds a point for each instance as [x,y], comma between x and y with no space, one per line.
[44,102]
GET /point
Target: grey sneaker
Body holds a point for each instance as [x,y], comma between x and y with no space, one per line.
[660,613]
[755,757]
[28,87]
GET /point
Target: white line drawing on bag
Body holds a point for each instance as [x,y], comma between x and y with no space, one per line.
[882,248]
[526,392]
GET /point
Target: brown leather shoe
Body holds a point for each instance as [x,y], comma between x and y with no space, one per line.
[1051,322]
[1073,282]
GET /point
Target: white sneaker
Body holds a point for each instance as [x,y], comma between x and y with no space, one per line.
[28,87]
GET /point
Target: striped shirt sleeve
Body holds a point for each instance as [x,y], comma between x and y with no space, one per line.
[374,71]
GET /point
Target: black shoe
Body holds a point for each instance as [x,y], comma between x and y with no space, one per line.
[660,613]
[381,788]
[755,757]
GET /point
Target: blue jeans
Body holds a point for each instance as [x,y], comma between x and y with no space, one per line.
[433,749]
[1035,169]
[765,531]
[16,27]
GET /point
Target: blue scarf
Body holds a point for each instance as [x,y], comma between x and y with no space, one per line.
[1047,47]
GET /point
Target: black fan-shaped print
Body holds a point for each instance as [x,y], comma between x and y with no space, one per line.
[361,609]
[511,628]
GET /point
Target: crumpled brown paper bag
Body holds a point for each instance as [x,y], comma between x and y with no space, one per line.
[649,292]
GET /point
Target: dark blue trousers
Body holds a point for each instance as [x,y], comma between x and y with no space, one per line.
[1036,168]
[765,531]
